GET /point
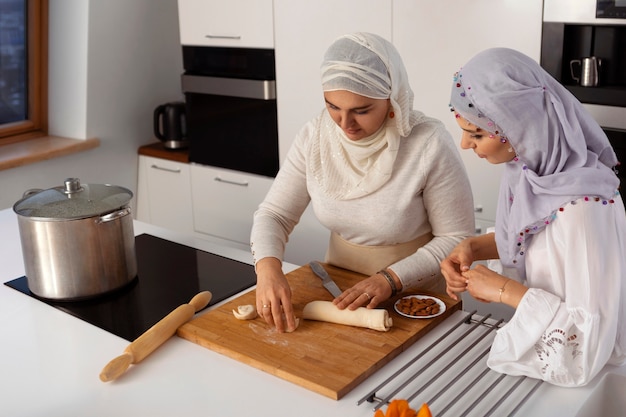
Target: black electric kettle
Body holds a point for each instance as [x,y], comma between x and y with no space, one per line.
[170,125]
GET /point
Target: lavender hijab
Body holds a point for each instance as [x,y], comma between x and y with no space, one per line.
[562,154]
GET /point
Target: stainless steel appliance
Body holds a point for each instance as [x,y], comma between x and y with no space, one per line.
[611,9]
[230,96]
[563,42]
[570,31]
[77,239]
[170,126]
[589,68]
[592,29]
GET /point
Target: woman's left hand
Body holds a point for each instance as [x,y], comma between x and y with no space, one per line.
[367,293]
[484,284]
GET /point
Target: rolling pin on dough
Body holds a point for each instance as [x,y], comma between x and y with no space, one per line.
[376,319]
[154,337]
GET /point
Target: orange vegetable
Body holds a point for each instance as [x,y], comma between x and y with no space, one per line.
[404,409]
[408,413]
[398,408]
[392,409]
[424,411]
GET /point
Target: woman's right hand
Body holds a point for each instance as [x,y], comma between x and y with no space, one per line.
[273,295]
[452,267]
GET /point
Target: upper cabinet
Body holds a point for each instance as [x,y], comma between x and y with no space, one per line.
[232,23]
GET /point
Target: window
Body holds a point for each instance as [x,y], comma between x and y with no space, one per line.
[23,69]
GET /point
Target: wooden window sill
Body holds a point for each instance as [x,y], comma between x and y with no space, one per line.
[39,149]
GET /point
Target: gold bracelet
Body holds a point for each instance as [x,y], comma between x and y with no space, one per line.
[390,280]
[502,288]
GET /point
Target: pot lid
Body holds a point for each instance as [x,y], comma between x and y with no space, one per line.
[73,200]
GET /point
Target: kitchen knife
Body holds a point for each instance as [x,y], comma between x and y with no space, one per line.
[327,281]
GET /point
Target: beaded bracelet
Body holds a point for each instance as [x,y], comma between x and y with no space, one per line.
[390,280]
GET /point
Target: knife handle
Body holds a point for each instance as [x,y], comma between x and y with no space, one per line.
[154,337]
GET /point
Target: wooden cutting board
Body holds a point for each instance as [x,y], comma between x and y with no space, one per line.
[327,358]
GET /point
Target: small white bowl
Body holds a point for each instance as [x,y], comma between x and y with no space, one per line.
[442,306]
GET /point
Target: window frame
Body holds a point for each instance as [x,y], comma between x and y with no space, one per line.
[36,124]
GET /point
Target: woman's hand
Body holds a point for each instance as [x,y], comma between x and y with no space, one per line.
[454,265]
[273,295]
[489,286]
[484,284]
[367,293]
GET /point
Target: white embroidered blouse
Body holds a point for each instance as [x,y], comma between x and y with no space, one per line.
[572,320]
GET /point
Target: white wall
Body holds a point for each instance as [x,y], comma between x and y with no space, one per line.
[435,38]
[111,62]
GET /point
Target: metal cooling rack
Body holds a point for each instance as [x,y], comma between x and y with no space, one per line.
[452,377]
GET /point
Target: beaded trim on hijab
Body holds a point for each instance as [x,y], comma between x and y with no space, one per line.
[471,113]
[531,229]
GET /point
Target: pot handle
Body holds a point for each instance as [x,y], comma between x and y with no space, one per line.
[31,191]
[114,215]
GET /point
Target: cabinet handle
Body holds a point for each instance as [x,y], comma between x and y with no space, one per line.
[241,183]
[235,37]
[176,171]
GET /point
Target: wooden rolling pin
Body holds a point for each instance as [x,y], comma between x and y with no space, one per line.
[154,337]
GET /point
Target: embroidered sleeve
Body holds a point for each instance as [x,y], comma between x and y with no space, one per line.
[567,326]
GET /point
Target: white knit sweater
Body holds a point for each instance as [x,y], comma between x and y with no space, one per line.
[428,192]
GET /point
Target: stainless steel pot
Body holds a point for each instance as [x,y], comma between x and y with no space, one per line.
[77,240]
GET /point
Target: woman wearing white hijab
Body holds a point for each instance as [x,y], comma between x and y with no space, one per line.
[386,180]
[560,224]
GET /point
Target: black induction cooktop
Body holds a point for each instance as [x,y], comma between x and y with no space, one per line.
[168,275]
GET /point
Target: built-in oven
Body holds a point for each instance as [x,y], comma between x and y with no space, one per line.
[591,32]
[230,99]
[611,9]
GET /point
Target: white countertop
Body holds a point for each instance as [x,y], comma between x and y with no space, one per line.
[50,362]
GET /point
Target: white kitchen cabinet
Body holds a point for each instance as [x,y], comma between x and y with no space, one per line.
[436,38]
[216,204]
[303,31]
[164,193]
[225,200]
[232,23]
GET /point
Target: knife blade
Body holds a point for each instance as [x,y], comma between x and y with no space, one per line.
[327,281]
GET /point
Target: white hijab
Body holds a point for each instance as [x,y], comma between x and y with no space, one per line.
[562,152]
[368,65]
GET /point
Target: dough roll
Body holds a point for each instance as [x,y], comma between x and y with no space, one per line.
[376,319]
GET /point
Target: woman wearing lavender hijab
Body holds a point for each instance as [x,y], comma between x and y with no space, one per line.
[386,180]
[560,223]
